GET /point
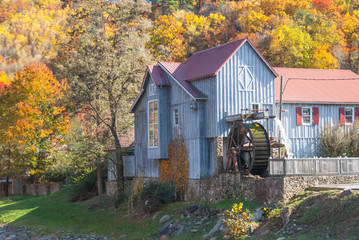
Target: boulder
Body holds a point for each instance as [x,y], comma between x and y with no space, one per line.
[164,219]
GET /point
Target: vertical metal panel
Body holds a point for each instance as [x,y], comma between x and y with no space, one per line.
[304,139]
[164,121]
[230,98]
[208,88]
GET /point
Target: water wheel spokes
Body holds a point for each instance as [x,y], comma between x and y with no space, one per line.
[250,144]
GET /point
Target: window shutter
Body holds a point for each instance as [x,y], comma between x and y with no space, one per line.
[341,115]
[299,116]
[315,116]
[356,114]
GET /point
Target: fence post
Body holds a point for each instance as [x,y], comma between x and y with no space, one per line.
[284,167]
[315,166]
[339,166]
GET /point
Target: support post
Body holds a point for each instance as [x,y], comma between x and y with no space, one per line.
[280,112]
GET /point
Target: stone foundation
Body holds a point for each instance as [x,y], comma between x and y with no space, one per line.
[262,190]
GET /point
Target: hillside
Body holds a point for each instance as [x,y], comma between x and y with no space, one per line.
[315,215]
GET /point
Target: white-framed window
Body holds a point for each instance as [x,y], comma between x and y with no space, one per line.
[153,123]
[307,115]
[349,115]
[175,117]
[152,90]
[246,78]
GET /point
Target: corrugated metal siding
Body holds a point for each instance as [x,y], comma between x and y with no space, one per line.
[193,158]
[189,118]
[230,98]
[209,89]
[164,119]
[305,138]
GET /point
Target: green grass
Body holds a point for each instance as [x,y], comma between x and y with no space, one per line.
[55,213]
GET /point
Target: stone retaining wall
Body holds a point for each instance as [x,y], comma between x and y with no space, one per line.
[35,189]
[262,190]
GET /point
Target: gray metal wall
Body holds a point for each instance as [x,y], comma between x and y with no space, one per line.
[181,101]
[305,138]
[230,98]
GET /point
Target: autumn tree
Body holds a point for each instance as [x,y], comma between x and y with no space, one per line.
[106,66]
[32,122]
[30,31]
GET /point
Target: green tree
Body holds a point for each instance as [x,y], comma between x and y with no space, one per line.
[106,66]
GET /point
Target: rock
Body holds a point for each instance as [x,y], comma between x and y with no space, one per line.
[164,237]
[285,215]
[180,231]
[165,229]
[164,219]
[346,192]
[213,238]
[123,236]
[257,215]
[215,229]
[281,238]
[193,230]
[190,209]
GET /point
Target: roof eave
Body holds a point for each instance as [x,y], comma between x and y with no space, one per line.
[179,84]
[133,107]
[318,103]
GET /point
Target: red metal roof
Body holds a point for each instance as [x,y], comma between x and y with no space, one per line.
[158,75]
[317,85]
[177,70]
[208,62]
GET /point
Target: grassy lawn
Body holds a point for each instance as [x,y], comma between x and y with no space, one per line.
[55,213]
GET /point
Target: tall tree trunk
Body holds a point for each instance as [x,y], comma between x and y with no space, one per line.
[99,178]
[118,162]
[7,187]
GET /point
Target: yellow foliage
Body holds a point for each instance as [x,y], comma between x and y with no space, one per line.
[33,32]
[236,221]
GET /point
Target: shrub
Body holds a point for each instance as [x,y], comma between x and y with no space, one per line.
[156,194]
[236,221]
[119,198]
[340,140]
[86,188]
[175,170]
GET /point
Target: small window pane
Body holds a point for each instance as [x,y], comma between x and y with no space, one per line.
[151,135]
[348,115]
[176,119]
[255,107]
[155,135]
[155,117]
[307,115]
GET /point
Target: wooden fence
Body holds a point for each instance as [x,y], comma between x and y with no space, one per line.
[313,166]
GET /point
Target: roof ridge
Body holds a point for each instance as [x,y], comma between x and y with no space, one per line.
[222,45]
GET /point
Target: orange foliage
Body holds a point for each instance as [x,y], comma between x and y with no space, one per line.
[31,118]
[176,169]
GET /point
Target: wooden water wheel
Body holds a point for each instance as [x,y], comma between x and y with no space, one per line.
[248,148]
